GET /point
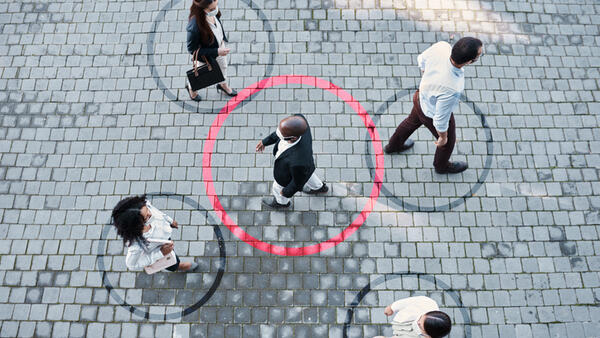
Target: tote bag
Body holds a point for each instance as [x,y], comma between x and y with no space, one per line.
[206,75]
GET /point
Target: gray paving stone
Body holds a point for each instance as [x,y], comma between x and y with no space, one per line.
[9,328]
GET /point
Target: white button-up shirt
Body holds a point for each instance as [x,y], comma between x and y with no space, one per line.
[409,311]
[441,84]
[160,228]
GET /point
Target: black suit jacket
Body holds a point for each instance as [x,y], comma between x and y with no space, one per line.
[294,167]
[194,42]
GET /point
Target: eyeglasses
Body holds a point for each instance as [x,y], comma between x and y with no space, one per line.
[478,57]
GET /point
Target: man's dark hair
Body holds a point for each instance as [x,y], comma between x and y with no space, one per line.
[465,50]
[437,324]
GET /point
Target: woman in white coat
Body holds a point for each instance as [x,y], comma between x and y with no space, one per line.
[137,221]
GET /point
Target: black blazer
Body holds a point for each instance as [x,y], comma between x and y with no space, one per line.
[294,167]
[194,42]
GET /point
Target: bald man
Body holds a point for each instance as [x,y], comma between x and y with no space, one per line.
[294,168]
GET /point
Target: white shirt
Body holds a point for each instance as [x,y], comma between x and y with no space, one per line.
[284,145]
[217,30]
[409,311]
[441,84]
[137,258]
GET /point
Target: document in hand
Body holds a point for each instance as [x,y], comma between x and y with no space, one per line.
[163,263]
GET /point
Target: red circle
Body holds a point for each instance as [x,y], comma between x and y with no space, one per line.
[212,137]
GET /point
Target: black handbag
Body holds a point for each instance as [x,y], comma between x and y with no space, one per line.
[206,75]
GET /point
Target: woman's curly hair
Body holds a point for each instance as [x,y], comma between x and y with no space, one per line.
[128,220]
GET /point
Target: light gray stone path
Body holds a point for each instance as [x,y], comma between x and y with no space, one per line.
[87,117]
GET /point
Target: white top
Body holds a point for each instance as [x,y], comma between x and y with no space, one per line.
[283,144]
[217,30]
[409,311]
[441,84]
[137,258]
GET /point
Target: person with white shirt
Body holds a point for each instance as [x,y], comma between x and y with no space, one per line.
[137,221]
[294,168]
[418,316]
[441,86]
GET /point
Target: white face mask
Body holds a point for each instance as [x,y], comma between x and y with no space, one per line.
[283,138]
[150,220]
[279,134]
[213,13]
[417,329]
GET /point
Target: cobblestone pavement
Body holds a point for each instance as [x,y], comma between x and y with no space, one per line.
[92,109]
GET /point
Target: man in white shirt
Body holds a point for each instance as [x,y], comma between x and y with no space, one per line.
[439,93]
[418,317]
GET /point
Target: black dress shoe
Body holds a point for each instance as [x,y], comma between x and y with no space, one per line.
[196,98]
[232,94]
[407,145]
[323,189]
[272,203]
[453,168]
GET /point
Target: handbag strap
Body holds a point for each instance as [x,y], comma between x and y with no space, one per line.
[210,68]
[207,63]
[195,62]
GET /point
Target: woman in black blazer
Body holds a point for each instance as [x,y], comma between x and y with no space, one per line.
[206,34]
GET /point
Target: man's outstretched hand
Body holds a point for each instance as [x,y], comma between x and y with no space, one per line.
[260,147]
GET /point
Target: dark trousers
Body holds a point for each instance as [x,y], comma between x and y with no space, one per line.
[413,122]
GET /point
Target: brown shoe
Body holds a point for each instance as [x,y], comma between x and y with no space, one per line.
[407,145]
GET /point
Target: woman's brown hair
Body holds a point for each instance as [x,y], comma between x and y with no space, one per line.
[197,11]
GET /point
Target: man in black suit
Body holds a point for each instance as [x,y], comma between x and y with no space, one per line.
[294,168]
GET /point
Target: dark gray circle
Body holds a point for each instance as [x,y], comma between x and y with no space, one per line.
[167,91]
[401,203]
[172,315]
[388,277]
